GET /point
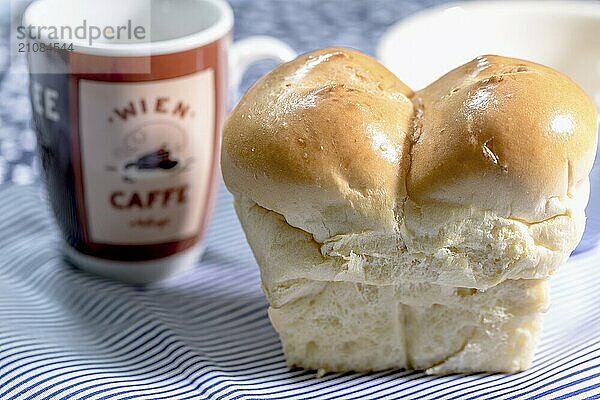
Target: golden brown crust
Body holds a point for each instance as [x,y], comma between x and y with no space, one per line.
[335,143]
[325,133]
[502,134]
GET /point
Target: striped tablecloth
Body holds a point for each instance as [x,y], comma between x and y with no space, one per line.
[65,334]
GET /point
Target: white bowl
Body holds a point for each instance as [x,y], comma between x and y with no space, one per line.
[562,34]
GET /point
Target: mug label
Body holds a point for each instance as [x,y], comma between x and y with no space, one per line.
[146,157]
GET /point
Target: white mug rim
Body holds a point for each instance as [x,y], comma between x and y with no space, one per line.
[201,38]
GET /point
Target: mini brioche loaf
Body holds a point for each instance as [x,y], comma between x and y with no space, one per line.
[401,229]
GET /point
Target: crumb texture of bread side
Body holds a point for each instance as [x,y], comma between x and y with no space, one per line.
[339,325]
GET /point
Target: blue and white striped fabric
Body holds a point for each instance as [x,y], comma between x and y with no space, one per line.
[65,334]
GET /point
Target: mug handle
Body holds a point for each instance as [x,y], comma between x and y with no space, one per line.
[247,51]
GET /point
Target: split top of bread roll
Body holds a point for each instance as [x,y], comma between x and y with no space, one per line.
[483,174]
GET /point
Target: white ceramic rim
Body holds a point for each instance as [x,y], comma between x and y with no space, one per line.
[385,47]
[201,38]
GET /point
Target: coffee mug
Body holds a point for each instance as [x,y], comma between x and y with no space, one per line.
[128,99]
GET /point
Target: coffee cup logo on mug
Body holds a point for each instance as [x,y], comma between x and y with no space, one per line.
[128,104]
